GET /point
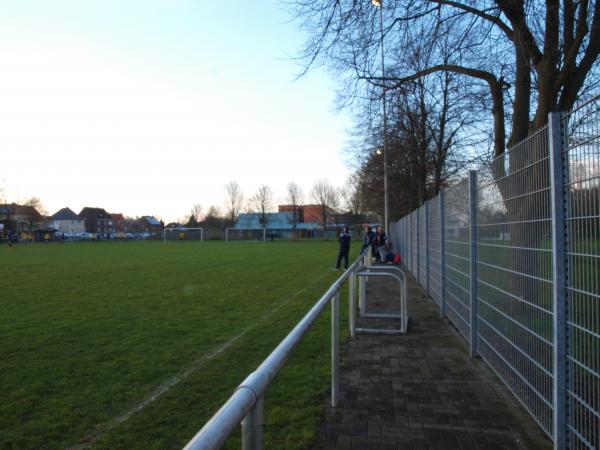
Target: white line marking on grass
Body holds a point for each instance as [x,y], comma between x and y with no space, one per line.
[163,388]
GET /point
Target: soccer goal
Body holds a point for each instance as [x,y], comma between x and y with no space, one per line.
[182,234]
[245,234]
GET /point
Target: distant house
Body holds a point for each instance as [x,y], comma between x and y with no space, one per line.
[17,218]
[175,225]
[97,220]
[309,221]
[278,221]
[66,221]
[312,214]
[151,225]
[308,217]
[118,222]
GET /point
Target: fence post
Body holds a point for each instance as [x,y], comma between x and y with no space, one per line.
[352,304]
[418,246]
[559,324]
[427,248]
[252,427]
[409,242]
[406,241]
[413,240]
[335,349]
[473,258]
[442,258]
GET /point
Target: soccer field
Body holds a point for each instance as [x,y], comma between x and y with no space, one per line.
[135,345]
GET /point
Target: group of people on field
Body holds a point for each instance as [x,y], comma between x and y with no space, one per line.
[375,239]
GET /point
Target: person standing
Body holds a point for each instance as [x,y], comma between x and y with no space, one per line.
[344,240]
[368,240]
[380,240]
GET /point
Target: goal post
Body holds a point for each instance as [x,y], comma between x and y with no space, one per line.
[183,234]
[245,234]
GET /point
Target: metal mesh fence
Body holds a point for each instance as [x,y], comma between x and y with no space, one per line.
[519,251]
[581,158]
[422,212]
[514,270]
[457,256]
[394,235]
[434,245]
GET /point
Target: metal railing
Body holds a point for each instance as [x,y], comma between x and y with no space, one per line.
[402,314]
[245,406]
[516,269]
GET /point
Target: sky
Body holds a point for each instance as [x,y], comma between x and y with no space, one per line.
[149,107]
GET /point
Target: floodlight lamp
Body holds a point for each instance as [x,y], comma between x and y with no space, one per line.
[376,3]
[379,151]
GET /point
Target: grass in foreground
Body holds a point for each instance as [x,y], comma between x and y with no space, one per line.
[92,332]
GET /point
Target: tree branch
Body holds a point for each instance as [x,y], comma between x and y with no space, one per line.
[514,12]
[569,94]
[495,20]
[496,90]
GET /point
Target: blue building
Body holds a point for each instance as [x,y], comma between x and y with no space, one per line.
[279,224]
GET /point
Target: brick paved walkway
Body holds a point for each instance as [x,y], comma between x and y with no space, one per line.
[421,391]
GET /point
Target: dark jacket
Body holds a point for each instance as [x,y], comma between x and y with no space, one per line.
[344,240]
[368,241]
[380,239]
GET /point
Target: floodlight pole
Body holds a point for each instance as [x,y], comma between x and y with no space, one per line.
[379,4]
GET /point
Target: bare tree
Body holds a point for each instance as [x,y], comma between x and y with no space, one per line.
[34,212]
[262,202]
[351,194]
[541,54]
[294,199]
[3,196]
[233,202]
[213,218]
[323,194]
[37,204]
[335,202]
[531,58]
[195,215]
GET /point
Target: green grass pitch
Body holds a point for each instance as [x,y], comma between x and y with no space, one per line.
[136,345]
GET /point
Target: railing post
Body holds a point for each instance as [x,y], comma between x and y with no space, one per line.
[473,258]
[335,350]
[362,286]
[559,325]
[252,427]
[352,304]
[442,257]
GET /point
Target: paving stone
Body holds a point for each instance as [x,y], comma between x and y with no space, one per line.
[420,390]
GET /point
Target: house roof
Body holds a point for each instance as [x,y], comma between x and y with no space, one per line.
[65,214]
[174,225]
[98,213]
[151,220]
[21,210]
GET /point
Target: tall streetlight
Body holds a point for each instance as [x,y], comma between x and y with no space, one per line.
[379,4]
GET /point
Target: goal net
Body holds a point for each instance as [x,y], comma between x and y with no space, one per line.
[245,234]
[182,234]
